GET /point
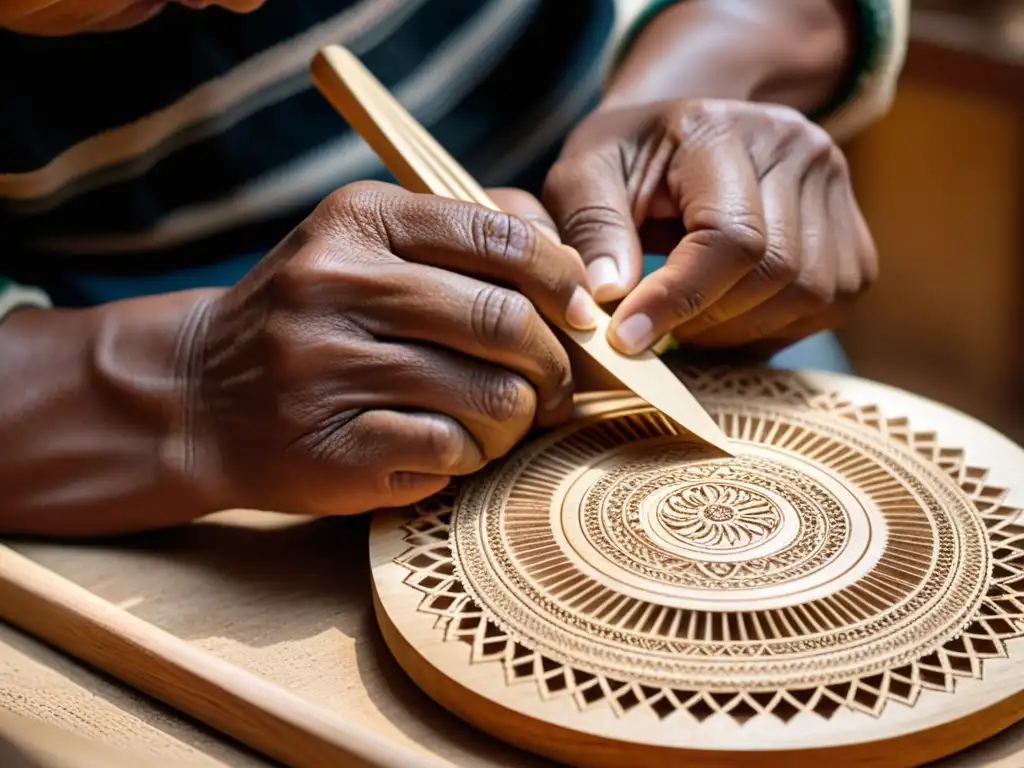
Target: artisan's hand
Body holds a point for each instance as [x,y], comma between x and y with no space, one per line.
[752,203]
[391,342]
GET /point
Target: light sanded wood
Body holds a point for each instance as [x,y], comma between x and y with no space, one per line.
[234,700]
[587,597]
[420,164]
[40,684]
[286,598]
[49,746]
[283,597]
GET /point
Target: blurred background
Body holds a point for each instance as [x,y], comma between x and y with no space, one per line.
[941,181]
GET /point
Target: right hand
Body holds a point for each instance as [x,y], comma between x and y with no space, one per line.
[374,354]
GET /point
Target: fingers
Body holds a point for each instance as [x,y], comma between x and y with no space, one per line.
[867,252]
[720,201]
[490,245]
[415,454]
[857,269]
[495,406]
[412,302]
[385,458]
[781,265]
[813,286]
[588,200]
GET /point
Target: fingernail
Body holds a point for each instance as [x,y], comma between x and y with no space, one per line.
[603,274]
[635,333]
[581,313]
[565,390]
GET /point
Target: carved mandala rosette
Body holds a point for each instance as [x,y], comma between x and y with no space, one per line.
[841,561]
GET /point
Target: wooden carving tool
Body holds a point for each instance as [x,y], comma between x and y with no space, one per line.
[420,164]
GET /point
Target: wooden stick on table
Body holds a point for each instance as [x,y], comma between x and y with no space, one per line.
[420,164]
[237,702]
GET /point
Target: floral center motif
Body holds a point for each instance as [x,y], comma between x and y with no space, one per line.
[719,516]
[718,513]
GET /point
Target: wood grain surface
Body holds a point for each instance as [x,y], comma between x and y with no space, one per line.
[232,699]
[283,597]
[286,598]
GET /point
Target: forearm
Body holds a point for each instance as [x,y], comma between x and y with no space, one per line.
[93,434]
[792,52]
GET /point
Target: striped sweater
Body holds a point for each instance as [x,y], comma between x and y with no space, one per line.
[175,154]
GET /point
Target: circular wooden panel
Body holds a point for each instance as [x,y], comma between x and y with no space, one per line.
[849,586]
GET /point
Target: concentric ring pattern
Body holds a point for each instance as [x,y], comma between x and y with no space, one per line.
[839,560]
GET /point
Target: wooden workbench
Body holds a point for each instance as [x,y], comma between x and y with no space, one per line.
[287,598]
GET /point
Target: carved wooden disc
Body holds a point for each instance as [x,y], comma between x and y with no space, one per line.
[850,584]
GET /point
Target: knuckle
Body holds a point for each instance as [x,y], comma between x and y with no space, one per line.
[446,442]
[592,222]
[343,201]
[838,162]
[695,118]
[562,174]
[745,238]
[502,397]
[789,133]
[355,195]
[819,145]
[786,116]
[289,287]
[781,265]
[740,235]
[501,237]
[502,318]
[356,208]
[684,305]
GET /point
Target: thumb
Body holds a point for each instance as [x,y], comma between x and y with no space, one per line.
[588,199]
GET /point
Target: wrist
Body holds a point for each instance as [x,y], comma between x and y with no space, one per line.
[144,357]
[95,426]
[792,52]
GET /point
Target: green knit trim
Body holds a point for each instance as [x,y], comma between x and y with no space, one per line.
[875,28]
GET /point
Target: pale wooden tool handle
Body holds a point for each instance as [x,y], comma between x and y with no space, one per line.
[383,123]
[236,702]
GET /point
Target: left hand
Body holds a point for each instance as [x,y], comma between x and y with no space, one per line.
[752,203]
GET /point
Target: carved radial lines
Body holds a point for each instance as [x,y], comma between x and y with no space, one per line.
[841,560]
